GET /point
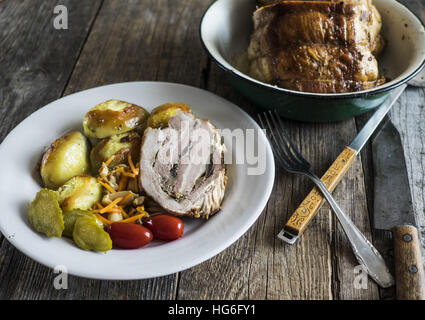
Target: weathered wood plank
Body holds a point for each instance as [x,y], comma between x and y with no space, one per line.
[36,61]
[143,40]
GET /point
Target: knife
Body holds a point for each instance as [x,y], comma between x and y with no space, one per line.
[306,211]
[393,210]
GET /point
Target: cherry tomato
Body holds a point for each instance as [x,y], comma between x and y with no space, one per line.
[165,227]
[129,236]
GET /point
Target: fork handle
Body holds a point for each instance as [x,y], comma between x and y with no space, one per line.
[364,251]
[303,215]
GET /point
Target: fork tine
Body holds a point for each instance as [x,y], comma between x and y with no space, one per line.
[269,131]
[280,152]
[284,140]
[276,150]
[295,150]
[283,152]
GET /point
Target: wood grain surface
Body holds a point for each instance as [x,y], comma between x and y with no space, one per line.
[110,41]
[409,268]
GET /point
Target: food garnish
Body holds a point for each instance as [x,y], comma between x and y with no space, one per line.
[129,236]
[121,201]
[165,227]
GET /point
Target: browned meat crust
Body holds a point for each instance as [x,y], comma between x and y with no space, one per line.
[316,46]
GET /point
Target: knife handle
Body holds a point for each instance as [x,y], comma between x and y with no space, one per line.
[409,269]
[303,215]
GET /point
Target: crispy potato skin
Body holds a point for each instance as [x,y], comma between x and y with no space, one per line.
[160,115]
[113,117]
[80,192]
[118,146]
[67,157]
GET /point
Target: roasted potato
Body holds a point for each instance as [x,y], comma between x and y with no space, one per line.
[80,192]
[160,115]
[67,157]
[113,117]
[118,146]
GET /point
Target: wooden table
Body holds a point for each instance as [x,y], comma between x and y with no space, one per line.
[111,41]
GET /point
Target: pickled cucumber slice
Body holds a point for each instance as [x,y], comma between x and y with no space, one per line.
[69,218]
[88,235]
[45,214]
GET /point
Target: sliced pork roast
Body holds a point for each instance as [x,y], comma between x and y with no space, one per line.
[182,166]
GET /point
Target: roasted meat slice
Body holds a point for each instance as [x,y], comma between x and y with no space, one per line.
[182,166]
[317,46]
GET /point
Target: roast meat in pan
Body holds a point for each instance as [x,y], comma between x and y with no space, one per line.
[317,46]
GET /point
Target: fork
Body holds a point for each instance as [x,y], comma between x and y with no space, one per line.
[292,161]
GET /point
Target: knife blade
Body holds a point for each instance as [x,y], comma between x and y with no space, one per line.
[393,210]
[306,211]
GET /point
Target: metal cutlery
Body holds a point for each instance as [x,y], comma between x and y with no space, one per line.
[308,208]
[292,160]
[393,210]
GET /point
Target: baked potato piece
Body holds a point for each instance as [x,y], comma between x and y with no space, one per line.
[80,192]
[66,157]
[45,215]
[119,146]
[113,117]
[160,115]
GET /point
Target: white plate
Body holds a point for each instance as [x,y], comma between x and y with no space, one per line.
[246,195]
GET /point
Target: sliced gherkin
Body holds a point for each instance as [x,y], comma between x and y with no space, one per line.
[69,218]
[88,235]
[45,214]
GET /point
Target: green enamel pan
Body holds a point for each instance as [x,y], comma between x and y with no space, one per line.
[225,34]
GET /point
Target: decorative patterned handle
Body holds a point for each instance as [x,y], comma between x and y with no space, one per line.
[300,219]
